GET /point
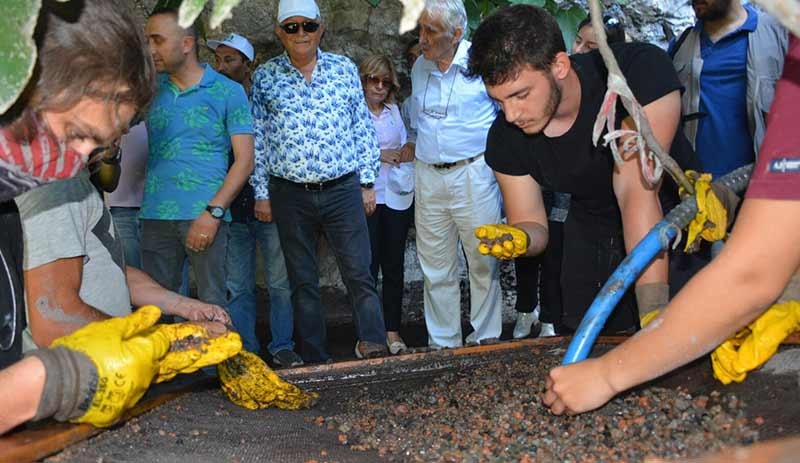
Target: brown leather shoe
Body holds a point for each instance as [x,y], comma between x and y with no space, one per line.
[367,349]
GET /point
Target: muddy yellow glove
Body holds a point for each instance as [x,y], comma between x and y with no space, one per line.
[250,383]
[711,221]
[754,345]
[502,241]
[102,369]
[192,349]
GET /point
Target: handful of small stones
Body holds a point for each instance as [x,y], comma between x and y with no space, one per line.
[494,413]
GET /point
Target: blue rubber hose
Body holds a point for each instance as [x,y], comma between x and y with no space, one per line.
[657,240]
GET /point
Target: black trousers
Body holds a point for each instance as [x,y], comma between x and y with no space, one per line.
[388,230]
[539,278]
[12,302]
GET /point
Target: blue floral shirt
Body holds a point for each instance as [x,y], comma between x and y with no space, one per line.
[189,136]
[311,132]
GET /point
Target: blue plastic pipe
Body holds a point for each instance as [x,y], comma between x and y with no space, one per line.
[657,240]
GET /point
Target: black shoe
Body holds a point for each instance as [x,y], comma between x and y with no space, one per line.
[287,358]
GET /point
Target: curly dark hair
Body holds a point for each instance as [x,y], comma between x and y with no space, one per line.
[512,38]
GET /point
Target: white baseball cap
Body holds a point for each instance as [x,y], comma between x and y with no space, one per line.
[399,193]
[237,42]
[305,8]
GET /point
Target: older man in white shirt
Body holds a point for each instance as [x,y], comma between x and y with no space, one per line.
[455,189]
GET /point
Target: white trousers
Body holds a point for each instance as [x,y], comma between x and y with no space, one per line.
[449,204]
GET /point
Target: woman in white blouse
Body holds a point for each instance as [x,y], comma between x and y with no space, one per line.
[394,191]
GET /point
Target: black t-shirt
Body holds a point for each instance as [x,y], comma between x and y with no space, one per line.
[570,163]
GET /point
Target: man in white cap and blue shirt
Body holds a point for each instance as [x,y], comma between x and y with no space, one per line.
[317,157]
[233,57]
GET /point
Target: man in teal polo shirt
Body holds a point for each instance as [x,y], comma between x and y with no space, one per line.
[196,119]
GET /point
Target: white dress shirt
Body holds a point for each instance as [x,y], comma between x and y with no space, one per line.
[450,113]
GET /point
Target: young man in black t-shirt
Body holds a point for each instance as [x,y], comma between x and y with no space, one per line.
[543,138]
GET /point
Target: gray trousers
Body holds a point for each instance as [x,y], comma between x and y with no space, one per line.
[163,247]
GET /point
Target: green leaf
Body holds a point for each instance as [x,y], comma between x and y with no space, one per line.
[539,3]
[374,3]
[17,49]
[568,21]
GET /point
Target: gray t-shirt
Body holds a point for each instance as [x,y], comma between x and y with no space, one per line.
[67,219]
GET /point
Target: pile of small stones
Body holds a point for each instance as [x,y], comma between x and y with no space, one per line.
[495,413]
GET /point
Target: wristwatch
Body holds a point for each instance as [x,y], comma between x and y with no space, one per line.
[216,211]
[367,185]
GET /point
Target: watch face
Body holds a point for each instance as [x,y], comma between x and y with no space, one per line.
[216,211]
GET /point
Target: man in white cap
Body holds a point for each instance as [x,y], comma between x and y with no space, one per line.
[234,59]
[317,157]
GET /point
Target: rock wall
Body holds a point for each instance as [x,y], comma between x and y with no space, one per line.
[355,28]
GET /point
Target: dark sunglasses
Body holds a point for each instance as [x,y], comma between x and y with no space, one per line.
[375,80]
[294,27]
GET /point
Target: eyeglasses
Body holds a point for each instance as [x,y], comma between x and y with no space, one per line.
[294,27]
[375,80]
[435,113]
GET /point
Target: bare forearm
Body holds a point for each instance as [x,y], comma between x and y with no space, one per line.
[21,387]
[58,315]
[146,291]
[538,235]
[638,218]
[237,176]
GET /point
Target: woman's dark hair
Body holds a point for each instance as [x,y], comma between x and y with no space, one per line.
[93,49]
[615,27]
[512,38]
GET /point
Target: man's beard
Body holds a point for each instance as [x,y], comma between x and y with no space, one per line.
[714,9]
[555,98]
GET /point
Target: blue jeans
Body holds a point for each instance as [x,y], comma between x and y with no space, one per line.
[126,220]
[164,251]
[243,237]
[339,212]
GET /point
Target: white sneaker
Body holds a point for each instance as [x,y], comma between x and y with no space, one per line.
[525,321]
[548,330]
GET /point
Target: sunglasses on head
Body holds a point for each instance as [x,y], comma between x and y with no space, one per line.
[375,80]
[294,27]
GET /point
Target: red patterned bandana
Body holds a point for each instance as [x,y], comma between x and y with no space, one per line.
[43,159]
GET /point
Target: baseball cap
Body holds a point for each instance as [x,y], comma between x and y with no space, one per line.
[305,8]
[399,193]
[237,42]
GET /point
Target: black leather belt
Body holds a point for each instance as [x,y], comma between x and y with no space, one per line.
[315,186]
[450,165]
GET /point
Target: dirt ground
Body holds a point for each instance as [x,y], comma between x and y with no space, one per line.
[203,426]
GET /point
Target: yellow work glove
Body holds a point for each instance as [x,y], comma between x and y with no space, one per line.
[754,345]
[250,383]
[191,348]
[502,241]
[122,361]
[711,221]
